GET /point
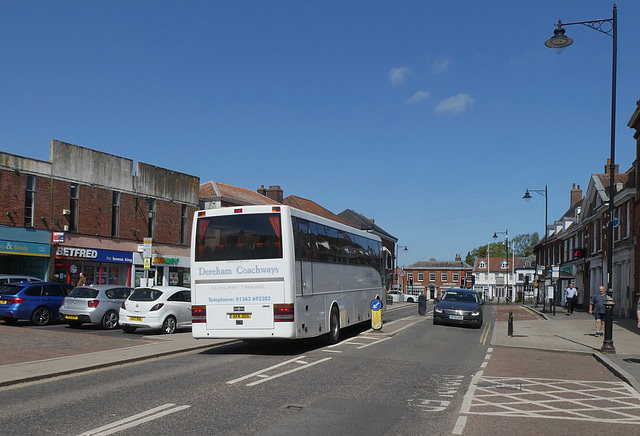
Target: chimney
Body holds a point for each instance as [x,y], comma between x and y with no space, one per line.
[607,167]
[275,193]
[576,194]
[262,190]
[433,259]
[458,258]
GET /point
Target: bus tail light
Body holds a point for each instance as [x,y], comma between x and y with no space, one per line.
[198,314]
[283,312]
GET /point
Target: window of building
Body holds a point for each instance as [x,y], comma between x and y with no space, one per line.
[183,225]
[456,277]
[421,277]
[504,264]
[152,215]
[443,276]
[432,277]
[482,264]
[115,214]
[73,207]
[29,200]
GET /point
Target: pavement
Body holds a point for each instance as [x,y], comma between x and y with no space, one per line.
[574,333]
[30,354]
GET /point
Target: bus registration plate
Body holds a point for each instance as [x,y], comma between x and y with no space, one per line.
[240,316]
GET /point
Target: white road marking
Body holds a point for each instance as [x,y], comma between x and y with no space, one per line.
[288,372]
[460,423]
[135,420]
[266,377]
[255,374]
[587,401]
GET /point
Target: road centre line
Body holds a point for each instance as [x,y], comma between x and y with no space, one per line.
[257,373]
[135,420]
[288,372]
[373,343]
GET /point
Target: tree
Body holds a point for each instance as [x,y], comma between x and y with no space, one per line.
[523,244]
[520,246]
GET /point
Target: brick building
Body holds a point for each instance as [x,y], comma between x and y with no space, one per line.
[432,277]
[88,211]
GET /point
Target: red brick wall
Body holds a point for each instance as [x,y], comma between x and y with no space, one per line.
[94,210]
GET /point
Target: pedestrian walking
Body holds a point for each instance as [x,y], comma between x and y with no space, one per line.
[597,309]
[82,280]
[571,294]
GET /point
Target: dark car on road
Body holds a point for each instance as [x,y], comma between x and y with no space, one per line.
[38,302]
[459,306]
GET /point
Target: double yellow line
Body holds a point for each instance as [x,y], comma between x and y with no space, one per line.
[485,333]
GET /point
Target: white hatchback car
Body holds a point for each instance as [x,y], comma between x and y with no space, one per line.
[159,307]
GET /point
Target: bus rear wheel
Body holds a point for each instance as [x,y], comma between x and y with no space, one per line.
[334,325]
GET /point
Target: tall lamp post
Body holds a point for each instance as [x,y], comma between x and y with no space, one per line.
[506,243]
[527,197]
[398,247]
[558,43]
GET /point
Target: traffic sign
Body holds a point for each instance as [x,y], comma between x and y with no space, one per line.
[376,314]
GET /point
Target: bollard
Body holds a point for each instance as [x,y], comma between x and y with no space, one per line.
[422,305]
[510,324]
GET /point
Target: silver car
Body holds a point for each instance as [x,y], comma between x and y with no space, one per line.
[96,304]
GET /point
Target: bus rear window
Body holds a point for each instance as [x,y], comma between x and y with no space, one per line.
[234,237]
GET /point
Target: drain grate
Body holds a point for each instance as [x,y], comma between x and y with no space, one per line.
[294,407]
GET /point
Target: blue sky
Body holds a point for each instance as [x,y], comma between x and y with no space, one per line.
[432,117]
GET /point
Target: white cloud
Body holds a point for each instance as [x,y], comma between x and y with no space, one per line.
[456,104]
[417,97]
[397,75]
[441,65]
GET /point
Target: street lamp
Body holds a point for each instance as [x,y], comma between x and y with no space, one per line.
[527,197]
[506,243]
[558,42]
[398,247]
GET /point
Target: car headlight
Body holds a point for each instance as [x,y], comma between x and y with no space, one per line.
[475,313]
[437,310]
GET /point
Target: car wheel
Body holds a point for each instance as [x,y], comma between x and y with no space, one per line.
[128,329]
[74,324]
[334,325]
[169,325]
[109,320]
[41,316]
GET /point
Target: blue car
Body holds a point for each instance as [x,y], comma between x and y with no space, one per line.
[38,302]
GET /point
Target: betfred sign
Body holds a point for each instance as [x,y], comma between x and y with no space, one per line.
[94,255]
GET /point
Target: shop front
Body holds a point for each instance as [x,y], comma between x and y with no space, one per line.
[165,270]
[24,251]
[99,266]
